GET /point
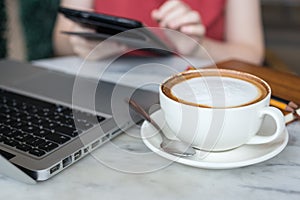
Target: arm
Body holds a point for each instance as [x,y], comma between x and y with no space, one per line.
[243,33]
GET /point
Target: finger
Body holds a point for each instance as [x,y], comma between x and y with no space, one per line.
[119,50]
[108,50]
[78,41]
[81,46]
[165,9]
[172,16]
[191,17]
[104,50]
[193,30]
[81,51]
[79,28]
[93,43]
[83,42]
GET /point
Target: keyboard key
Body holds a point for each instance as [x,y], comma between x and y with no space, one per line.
[73,134]
[67,112]
[30,129]
[2,138]
[10,142]
[49,125]
[2,118]
[23,147]
[37,120]
[17,124]
[37,152]
[5,129]
[68,122]
[48,146]
[57,138]
[35,142]
[10,134]
[42,132]
[22,137]
[64,130]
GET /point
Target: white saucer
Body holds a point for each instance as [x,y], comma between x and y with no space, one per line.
[239,157]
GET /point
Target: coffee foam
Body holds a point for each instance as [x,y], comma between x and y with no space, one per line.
[216,91]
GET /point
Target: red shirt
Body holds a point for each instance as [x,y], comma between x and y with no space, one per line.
[211,12]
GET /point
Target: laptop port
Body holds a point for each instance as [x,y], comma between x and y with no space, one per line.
[105,138]
[54,169]
[95,144]
[86,150]
[67,161]
[115,132]
[77,155]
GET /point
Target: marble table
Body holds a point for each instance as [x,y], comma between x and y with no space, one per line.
[126,169]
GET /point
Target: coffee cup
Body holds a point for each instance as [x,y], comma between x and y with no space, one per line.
[218,109]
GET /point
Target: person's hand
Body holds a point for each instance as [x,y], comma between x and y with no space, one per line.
[89,49]
[177,15]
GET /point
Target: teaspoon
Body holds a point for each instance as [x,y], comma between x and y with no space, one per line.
[174,147]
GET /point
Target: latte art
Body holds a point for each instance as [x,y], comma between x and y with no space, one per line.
[216,91]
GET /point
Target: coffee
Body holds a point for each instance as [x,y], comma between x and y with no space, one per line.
[216,90]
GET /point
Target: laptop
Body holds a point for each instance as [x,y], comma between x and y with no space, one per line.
[50,120]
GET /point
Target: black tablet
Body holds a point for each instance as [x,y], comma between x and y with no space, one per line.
[105,26]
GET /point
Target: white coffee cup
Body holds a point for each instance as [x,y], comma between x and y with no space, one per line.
[217,109]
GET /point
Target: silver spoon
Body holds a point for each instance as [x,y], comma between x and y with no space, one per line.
[174,147]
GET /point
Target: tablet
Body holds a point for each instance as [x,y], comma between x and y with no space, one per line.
[136,36]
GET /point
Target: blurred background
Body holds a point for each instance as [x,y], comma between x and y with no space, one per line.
[281,20]
[32,21]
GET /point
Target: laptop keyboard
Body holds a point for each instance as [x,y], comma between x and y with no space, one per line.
[37,127]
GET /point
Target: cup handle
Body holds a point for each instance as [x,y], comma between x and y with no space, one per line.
[277,115]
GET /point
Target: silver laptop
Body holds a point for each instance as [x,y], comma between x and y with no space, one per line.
[47,124]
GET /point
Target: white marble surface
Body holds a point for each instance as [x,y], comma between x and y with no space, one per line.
[126,169]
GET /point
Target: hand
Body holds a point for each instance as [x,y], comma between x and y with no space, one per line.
[177,15]
[89,49]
